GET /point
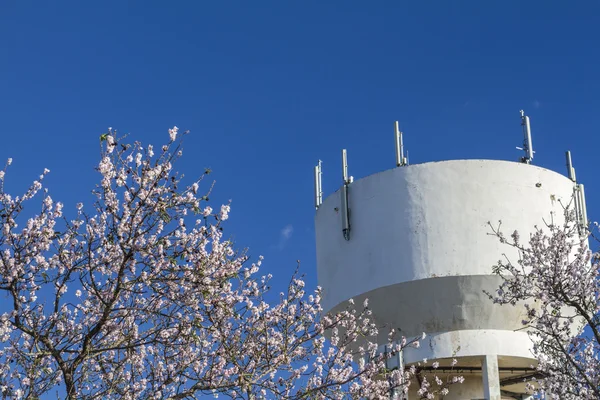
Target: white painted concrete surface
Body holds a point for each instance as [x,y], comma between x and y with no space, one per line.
[429,220]
[420,249]
[491,377]
[513,346]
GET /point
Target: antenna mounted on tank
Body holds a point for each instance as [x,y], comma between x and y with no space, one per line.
[401,161]
[345,166]
[527,143]
[347,180]
[582,209]
[318,185]
[578,196]
[570,169]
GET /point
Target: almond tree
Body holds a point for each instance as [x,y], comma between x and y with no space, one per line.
[556,280]
[138,295]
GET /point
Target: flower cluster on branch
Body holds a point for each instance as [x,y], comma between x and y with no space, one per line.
[139,295]
[556,280]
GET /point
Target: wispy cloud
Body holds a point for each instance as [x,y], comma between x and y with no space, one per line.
[286,232]
[285,235]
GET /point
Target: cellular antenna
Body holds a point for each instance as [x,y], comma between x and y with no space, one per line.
[582,210]
[401,161]
[570,169]
[318,185]
[345,166]
[527,144]
[344,196]
[579,196]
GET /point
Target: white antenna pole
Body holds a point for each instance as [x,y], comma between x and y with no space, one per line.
[584,220]
[527,143]
[320,182]
[345,166]
[318,186]
[570,169]
[400,159]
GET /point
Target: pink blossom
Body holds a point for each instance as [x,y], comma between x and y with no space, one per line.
[164,305]
[555,282]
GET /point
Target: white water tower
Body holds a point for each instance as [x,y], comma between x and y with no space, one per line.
[415,241]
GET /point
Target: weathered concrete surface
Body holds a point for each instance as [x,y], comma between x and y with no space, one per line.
[491,378]
[420,249]
[430,220]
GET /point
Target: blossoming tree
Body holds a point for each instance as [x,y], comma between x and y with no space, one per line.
[556,279]
[138,295]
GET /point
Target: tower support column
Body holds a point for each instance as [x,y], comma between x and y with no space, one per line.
[491,377]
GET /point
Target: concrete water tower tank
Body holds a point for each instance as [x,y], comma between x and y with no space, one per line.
[415,241]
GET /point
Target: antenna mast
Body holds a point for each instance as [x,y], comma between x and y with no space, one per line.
[582,208]
[527,143]
[318,185]
[345,166]
[570,169]
[401,161]
[578,196]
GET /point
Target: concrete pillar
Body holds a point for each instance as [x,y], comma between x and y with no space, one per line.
[491,377]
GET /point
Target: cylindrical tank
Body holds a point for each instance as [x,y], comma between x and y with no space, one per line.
[421,250]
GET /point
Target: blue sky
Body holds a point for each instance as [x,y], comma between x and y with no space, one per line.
[269,87]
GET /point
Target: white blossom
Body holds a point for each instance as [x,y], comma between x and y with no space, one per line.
[164,303]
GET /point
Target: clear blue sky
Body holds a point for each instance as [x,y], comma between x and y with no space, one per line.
[269,87]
